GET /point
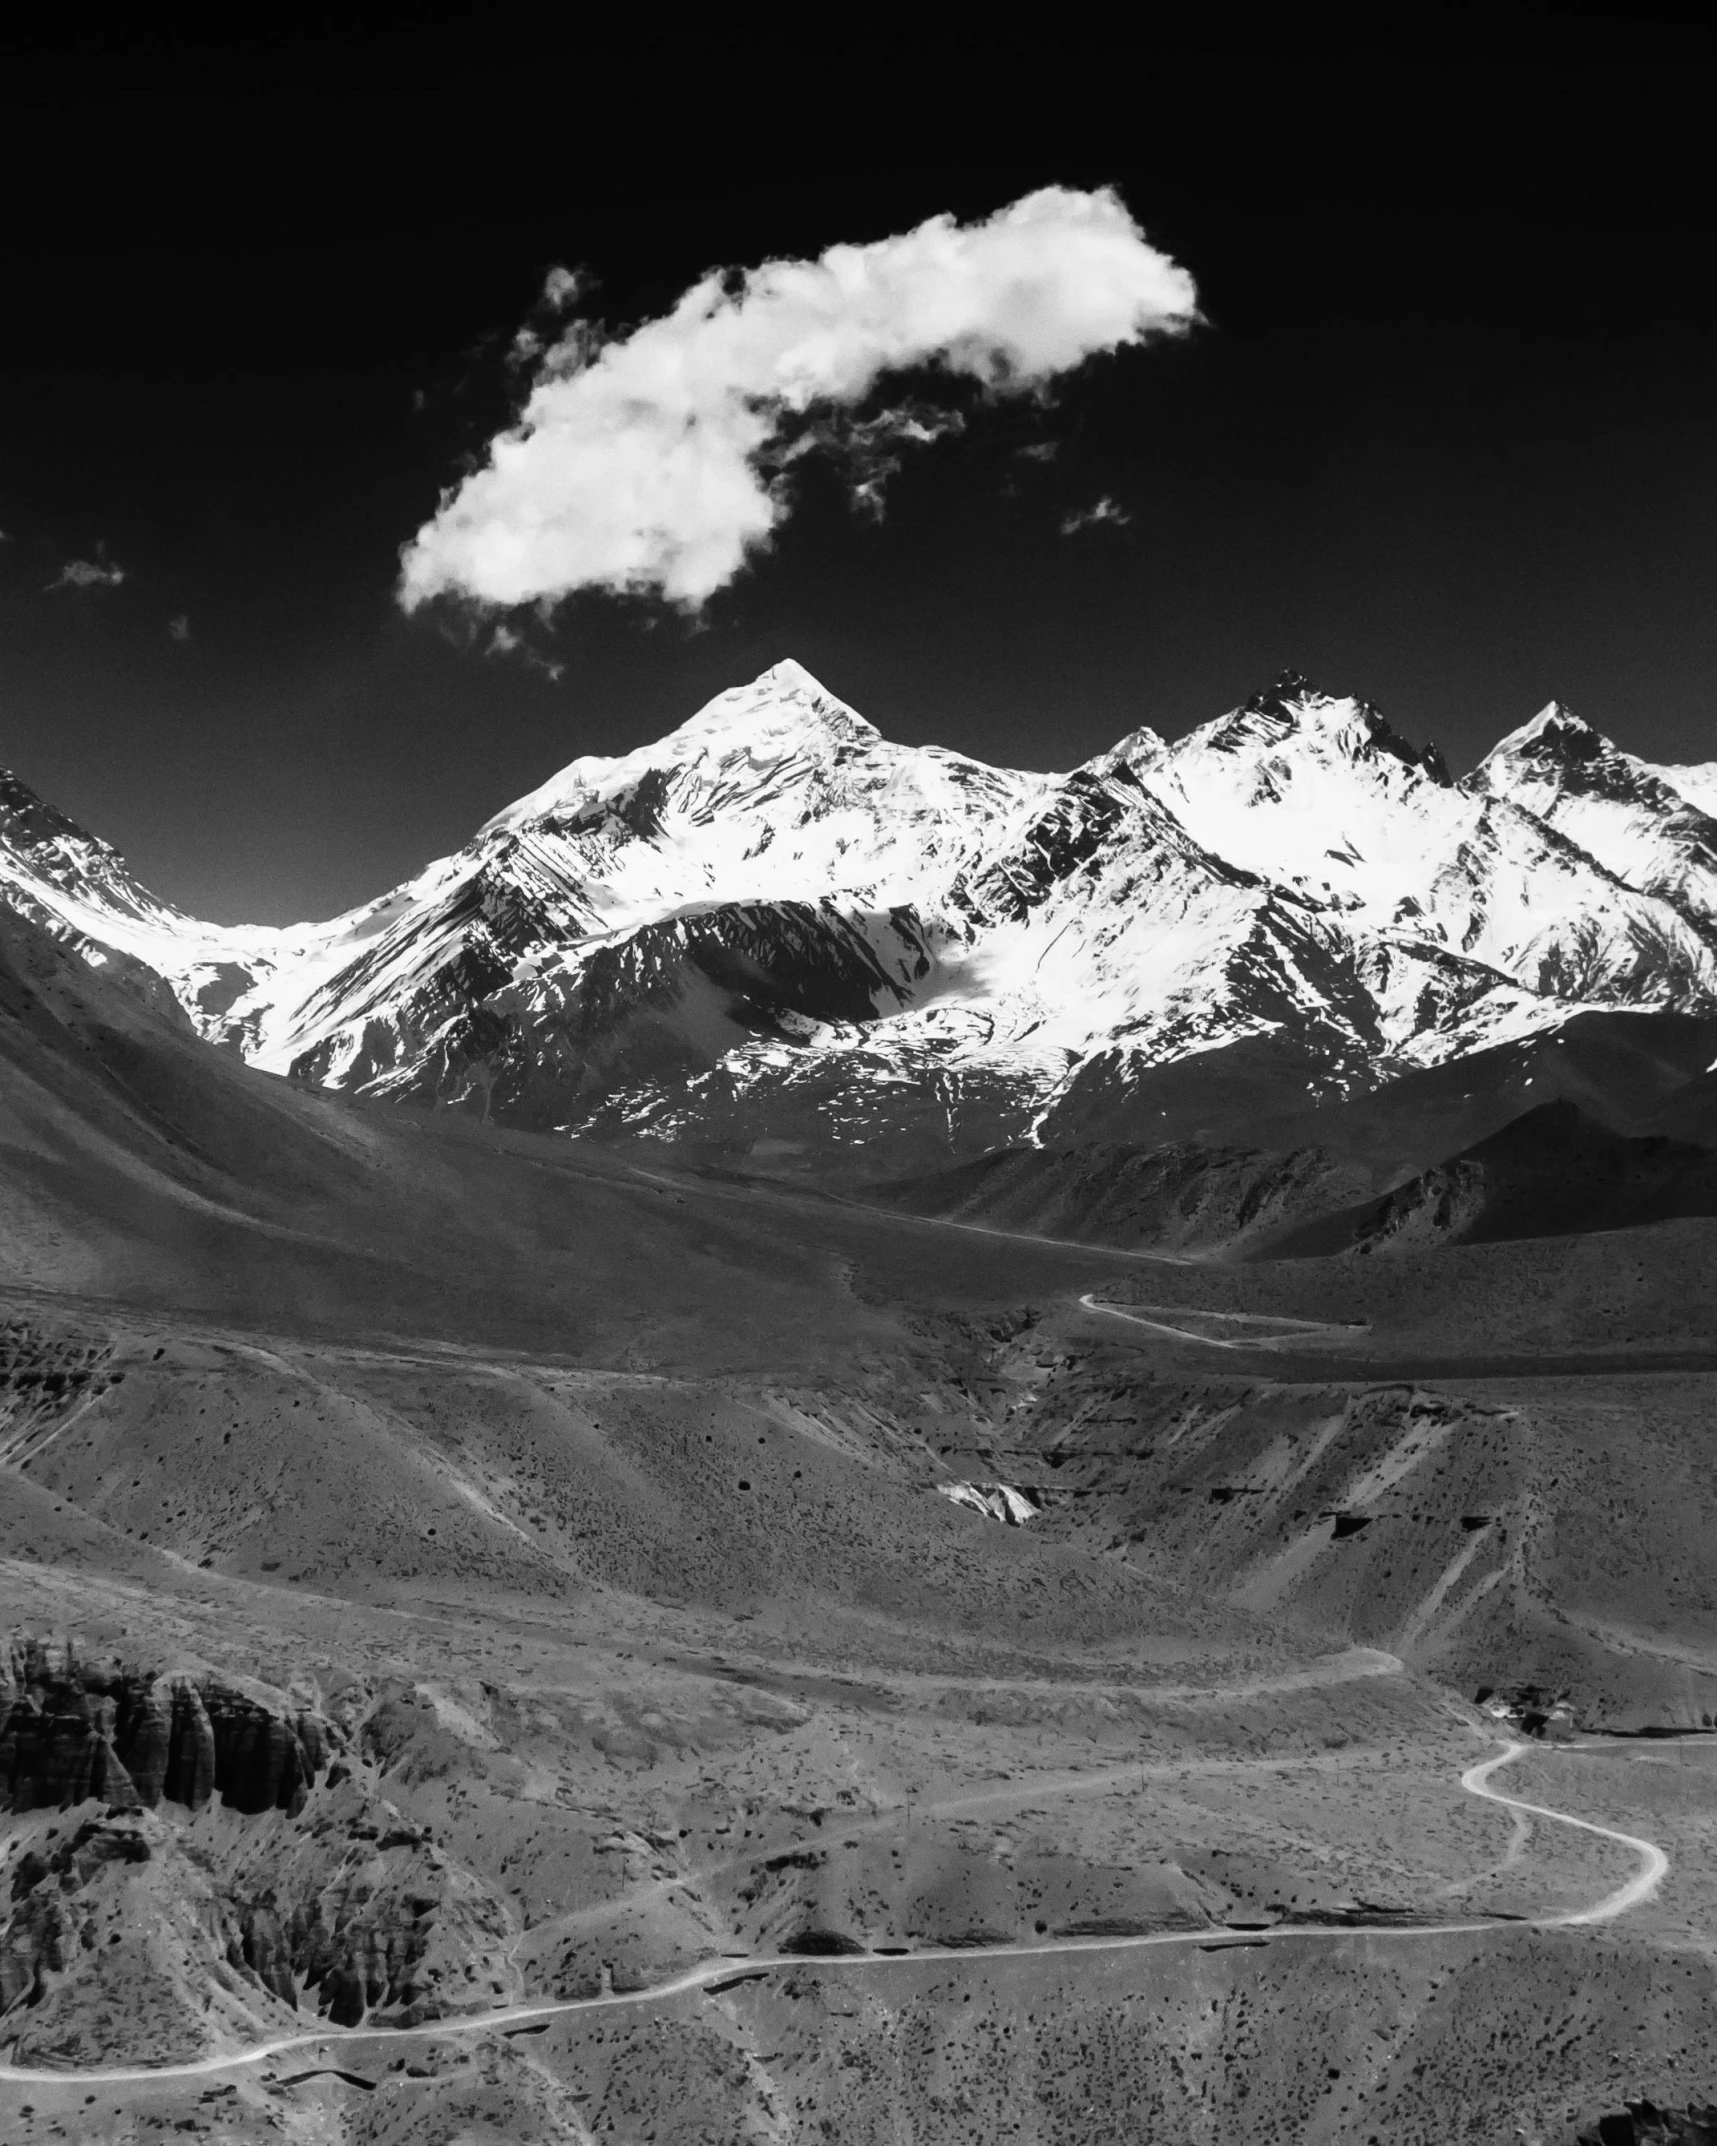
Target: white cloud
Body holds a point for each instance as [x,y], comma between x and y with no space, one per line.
[89,574]
[179,629]
[1092,517]
[652,462]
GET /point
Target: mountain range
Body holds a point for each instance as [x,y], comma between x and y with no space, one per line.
[776,935]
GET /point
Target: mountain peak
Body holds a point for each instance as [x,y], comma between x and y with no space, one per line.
[790,675]
[47,859]
[28,821]
[782,714]
[45,842]
[1559,763]
[1286,693]
[781,702]
[1139,749]
[1292,704]
[1555,734]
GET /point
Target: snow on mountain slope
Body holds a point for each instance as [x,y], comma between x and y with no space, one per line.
[1320,793]
[1697,783]
[1099,924]
[773,860]
[776,931]
[1646,824]
[774,790]
[82,891]
[776,804]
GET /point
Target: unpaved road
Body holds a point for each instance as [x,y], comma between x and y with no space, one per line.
[1013,1789]
[1299,1330]
[343,2043]
[1653,1862]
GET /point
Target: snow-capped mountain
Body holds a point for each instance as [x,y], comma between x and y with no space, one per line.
[1651,826]
[82,891]
[775,930]
[1323,794]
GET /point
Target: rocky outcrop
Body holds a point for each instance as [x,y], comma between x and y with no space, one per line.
[72,1729]
[46,1930]
[1643,2121]
[43,1378]
[381,1922]
[262,1948]
[354,1914]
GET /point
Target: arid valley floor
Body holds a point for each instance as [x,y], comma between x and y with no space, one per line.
[491,1663]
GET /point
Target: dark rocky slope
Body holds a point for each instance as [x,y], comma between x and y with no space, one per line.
[1644,2123]
[1268,1092]
[1553,1172]
[1174,1197]
[1604,1124]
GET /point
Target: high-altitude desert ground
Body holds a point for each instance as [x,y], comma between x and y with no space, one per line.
[521,1638]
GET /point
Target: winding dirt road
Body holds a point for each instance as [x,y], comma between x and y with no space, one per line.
[1654,1864]
[340,2044]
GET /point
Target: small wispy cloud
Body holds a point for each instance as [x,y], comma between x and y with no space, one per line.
[870,449]
[179,629]
[1040,451]
[1093,517]
[654,462]
[503,641]
[561,291]
[97,573]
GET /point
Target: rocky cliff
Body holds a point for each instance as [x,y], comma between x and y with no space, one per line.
[227,1854]
[71,1730]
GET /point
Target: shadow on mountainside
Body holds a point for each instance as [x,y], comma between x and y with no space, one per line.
[143,1165]
[1553,1172]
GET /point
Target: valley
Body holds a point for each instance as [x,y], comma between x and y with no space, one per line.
[729,1819]
[1192,1624]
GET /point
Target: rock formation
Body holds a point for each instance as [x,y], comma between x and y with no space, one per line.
[72,1730]
[351,1912]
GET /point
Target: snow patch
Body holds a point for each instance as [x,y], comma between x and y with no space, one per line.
[996,1501]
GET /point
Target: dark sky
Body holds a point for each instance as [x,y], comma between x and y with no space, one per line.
[1446,440]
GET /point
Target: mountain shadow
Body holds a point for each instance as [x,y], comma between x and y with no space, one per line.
[1552,1172]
